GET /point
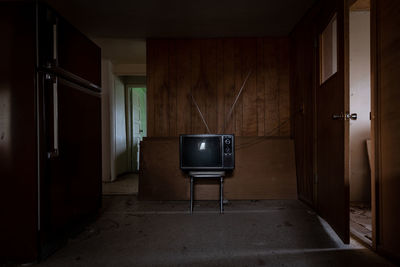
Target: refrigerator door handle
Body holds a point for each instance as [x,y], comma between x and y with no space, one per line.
[53,60]
[54,152]
[55,44]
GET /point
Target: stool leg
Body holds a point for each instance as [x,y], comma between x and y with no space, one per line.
[221,195]
[191,194]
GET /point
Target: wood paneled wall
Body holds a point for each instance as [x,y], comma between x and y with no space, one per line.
[213,71]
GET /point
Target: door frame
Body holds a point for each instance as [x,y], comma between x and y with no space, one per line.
[375,134]
[374,121]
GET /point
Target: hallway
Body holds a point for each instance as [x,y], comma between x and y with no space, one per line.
[250,233]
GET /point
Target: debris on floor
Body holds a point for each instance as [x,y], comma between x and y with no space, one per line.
[361,221]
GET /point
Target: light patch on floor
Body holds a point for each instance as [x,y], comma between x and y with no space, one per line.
[124,185]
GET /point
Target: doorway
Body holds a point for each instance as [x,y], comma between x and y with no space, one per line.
[360,128]
[137,128]
[129,128]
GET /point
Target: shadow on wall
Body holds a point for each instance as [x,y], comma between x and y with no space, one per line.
[121,148]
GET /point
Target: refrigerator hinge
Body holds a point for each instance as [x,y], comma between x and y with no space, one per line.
[50,77]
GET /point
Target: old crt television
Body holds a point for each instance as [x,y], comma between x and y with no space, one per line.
[207,152]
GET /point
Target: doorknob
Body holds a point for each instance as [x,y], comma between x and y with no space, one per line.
[352,116]
[347,116]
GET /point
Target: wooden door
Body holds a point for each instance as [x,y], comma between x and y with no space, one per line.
[385,60]
[332,134]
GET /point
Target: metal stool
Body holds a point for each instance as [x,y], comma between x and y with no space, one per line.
[207,174]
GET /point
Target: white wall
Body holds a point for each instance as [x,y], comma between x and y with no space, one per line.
[107,85]
[360,95]
[114,144]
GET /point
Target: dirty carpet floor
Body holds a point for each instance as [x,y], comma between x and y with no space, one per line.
[250,233]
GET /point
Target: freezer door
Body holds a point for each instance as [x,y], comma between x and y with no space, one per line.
[78,54]
[63,46]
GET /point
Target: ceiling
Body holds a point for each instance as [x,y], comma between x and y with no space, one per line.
[182,18]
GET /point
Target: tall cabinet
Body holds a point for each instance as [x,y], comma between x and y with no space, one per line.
[50,130]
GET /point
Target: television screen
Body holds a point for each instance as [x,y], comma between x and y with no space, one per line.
[207,152]
[202,152]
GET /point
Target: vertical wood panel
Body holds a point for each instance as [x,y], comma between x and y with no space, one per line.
[220,85]
[260,87]
[161,88]
[249,94]
[284,90]
[210,73]
[271,88]
[150,87]
[172,97]
[184,73]
[239,53]
[229,83]
[198,88]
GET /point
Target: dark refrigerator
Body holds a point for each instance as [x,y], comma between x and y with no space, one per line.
[50,130]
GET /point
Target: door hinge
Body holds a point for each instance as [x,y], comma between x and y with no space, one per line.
[51,77]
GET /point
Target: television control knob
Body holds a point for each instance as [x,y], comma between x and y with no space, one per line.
[227,141]
[227,150]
